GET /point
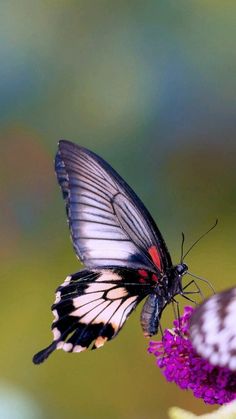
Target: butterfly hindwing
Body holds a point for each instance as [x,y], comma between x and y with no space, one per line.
[91,307]
[109,224]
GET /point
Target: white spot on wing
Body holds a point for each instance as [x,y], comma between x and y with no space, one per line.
[109,276]
[54,312]
[66,282]
[100,341]
[56,333]
[86,298]
[89,200]
[126,313]
[106,314]
[60,345]
[58,297]
[101,231]
[94,287]
[109,249]
[89,317]
[117,293]
[78,348]
[67,347]
[81,311]
[118,316]
[94,214]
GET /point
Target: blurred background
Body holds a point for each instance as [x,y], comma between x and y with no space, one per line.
[150,86]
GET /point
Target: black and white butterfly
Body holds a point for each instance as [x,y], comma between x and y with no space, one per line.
[213,329]
[125,256]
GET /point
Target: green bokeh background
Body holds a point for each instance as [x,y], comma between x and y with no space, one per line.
[150,86]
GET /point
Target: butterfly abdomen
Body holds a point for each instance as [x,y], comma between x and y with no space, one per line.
[151,313]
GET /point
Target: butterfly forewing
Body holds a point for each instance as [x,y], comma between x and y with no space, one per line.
[213,329]
[109,225]
[91,307]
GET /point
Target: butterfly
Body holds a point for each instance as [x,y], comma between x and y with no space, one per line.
[125,257]
[213,329]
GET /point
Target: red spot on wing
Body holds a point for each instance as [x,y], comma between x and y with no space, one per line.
[153,252]
[143,276]
[154,277]
[143,273]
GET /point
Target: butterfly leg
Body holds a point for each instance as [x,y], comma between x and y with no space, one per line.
[189,299]
[175,305]
[199,291]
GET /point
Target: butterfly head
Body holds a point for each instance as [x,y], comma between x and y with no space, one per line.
[174,281]
[181,269]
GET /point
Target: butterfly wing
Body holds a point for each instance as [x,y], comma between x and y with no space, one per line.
[91,307]
[213,330]
[109,225]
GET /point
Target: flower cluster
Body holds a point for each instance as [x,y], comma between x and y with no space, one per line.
[180,364]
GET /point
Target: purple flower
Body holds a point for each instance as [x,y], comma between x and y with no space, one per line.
[180,363]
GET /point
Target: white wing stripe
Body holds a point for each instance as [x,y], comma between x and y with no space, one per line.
[117,317]
[98,182]
[106,314]
[130,217]
[97,232]
[128,223]
[98,212]
[116,249]
[88,205]
[97,174]
[84,184]
[89,220]
[89,164]
[96,286]
[91,192]
[92,315]
[85,299]
[81,311]
[85,198]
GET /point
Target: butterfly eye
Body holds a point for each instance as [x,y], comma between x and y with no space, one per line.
[181,269]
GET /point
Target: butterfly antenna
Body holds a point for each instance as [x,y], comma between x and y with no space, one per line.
[202,279]
[182,248]
[201,237]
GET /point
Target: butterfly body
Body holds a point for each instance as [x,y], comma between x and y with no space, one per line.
[124,253]
[166,289]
